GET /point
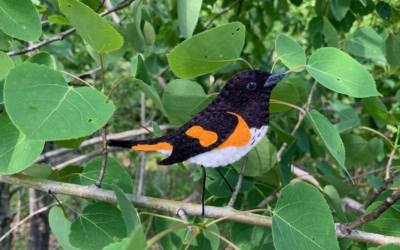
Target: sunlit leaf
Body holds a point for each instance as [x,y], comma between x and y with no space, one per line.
[60,227]
[188,15]
[367,43]
[326,65]
[290,52]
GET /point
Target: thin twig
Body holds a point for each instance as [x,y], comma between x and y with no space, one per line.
[220,13]
[301,117]
[104,156]
[239,183]
[381,189]
[100,5]
[66,73]
[62,35]
[89,72]
[116,85]
[142,154]
[43,209]
[135,122]
[102,73]
[364,174]
[182,214]
[374,214]
[389,163]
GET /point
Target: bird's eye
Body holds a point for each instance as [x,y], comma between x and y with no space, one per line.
[252,86]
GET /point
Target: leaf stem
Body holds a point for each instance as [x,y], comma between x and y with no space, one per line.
[171,229]
[116,85]
[75,174]
[288,104]
[134,122]
[163,216]
[66,73]
[221,237]
[273,66]
[59,203]
[378,133]
[102,73]
[246,62]
[298,67]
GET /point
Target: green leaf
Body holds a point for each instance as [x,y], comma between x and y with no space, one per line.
[179,238]
[283,135]
[329,137]
[362,7]
[54,110]
[188,15]
[359,151]
[334,200]
[115,174]
[136,38]
[43,58]
[99,225]
[286,92]
[16,151]
[218,187]
[150,91]
[340,8]
[377,109]
[6,64]
[315,26]
[290,52]
[347,22]
[129,212]
[157,129]
[349,118]
[137,241]
[303,219]
[5,41]
[393,50]
[73,143]
[20,19]
[149,36]
[365,42]
[341,187]
[390,246]
[182,100]
[58,20]
[249,237]
[285,164]
[42,171]
[208,51]
[330,34]
[260,160]
[384,10]
[386,224]
[141,71]
[326,66]
[67,171]
[2,91]
[60,227]
[91,27]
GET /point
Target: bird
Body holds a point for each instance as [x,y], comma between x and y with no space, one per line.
[222,133]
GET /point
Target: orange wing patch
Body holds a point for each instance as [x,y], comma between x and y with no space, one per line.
[240,137]
[205,137]
[155,147]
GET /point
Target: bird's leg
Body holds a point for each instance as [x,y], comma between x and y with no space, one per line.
[204,189]
[223,177]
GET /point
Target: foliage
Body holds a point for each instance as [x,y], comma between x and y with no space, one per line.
[342,60]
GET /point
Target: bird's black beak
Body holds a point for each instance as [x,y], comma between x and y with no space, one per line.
[274,79]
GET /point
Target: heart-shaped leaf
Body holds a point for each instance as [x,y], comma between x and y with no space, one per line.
[359,151]
[303,219]
[44,107]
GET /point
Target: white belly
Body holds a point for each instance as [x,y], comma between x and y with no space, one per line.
[228,155]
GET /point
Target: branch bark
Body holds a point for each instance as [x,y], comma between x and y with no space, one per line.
[382,188]
[239,183]
[89,192]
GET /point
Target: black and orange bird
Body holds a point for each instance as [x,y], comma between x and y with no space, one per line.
[223,132]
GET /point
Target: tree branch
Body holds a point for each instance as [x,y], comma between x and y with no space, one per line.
[239,183]
[382,188]
[220,13]
[62,35]
[90,192]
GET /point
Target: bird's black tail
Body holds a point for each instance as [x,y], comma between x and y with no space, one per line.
[131,144]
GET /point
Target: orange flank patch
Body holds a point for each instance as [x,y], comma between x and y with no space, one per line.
[240,137]
[155,147]
[205,137]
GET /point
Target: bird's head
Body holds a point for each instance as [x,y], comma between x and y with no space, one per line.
[252,86]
